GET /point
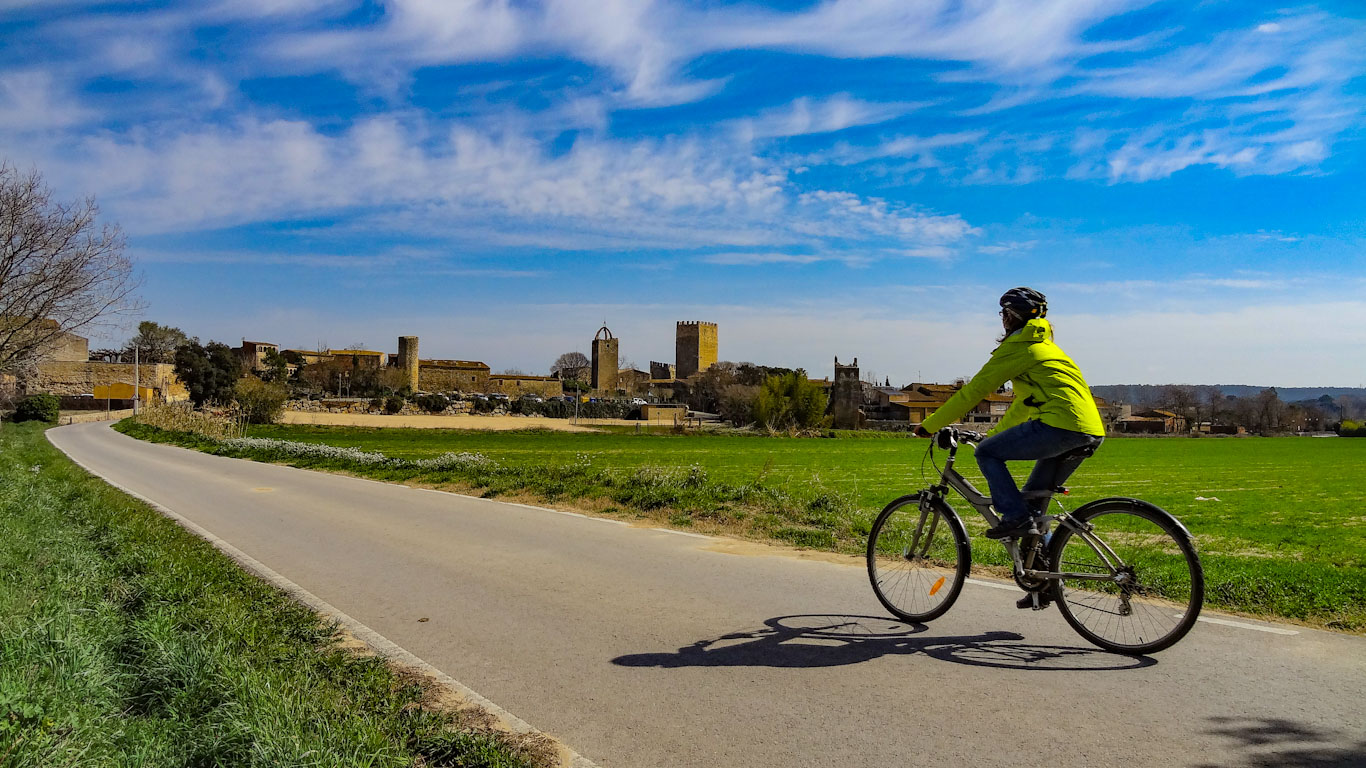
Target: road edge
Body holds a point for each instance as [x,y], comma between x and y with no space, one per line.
[381,645]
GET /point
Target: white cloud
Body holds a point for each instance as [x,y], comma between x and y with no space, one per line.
[755,259]
[805,116]
[33,100]
[465,184]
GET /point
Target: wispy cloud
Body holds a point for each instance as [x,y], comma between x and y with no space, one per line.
[805,116]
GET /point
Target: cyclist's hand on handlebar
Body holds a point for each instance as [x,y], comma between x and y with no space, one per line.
[920,432]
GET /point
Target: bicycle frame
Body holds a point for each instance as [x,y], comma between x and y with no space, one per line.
[951,478]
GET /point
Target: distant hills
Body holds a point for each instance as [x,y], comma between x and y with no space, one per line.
[1149,394]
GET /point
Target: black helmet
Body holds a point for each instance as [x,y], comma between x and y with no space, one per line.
[1026,303]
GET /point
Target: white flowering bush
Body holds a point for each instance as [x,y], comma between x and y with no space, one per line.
[293,449]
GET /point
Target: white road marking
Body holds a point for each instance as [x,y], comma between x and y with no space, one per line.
[682,533]
[994,585]
[1242,625]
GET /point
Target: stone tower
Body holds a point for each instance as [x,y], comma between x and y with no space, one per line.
[694,347]
[605,361]
[846,395]
[407,359]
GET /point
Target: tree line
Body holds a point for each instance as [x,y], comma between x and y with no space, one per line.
[1264,412]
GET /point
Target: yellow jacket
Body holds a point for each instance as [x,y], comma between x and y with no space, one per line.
[1048,386]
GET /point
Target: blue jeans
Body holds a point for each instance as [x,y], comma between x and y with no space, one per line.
[1030,440]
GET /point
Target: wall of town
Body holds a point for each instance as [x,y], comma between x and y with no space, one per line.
[515,386]
[73,378]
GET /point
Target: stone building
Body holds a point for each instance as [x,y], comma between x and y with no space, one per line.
[633,382]
[695,347]
[604,370]
[661,371]
[846,395]
[305,356]
[253,354]
[516,385]
[364,358]
[452,376]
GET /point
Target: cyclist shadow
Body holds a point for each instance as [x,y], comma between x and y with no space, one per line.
[816,640]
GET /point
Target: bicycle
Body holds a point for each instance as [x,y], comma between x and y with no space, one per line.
[1126,575]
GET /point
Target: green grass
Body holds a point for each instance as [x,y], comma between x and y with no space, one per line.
[126,641]
[1285,537]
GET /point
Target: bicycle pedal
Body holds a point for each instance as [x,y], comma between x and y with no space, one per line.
[1034,601]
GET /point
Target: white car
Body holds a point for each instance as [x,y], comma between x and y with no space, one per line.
[639,401]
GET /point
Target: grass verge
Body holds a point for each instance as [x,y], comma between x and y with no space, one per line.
[1257,561]
[127,641]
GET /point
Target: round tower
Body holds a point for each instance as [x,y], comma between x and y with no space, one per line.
[407,359]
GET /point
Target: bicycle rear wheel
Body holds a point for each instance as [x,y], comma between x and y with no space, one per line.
[1156,585]
[918,557]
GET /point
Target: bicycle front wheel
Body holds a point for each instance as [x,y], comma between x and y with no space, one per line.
[918,557]
[1135,585]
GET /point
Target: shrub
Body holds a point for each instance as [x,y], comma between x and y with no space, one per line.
[433,403]
[182,417]
[790,401]
[376,403]
[393,404]
[1349,428]
[39,408]
[261,401]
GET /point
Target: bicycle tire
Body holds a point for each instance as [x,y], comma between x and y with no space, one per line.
[1168,583]
[918,588]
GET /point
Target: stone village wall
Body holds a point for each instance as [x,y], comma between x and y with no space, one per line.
[81,378]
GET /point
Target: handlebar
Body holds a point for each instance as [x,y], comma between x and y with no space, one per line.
[948,438]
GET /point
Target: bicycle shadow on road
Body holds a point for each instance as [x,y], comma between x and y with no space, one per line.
[828,640]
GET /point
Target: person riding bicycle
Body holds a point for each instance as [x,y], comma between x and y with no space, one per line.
[1053,413]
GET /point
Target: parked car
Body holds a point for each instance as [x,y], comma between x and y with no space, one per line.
[639,401]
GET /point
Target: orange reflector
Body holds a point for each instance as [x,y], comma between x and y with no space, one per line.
[936,586]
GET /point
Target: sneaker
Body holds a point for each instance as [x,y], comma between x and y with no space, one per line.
[1045,600]
[1007,529]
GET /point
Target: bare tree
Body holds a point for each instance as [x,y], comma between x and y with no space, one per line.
[1269,410]
[571,366]
[58,273]
[1179,398]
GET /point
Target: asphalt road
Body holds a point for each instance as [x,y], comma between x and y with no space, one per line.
[640,647]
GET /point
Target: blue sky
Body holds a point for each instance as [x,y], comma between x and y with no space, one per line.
[858,178]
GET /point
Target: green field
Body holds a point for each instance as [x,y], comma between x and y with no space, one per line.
[1284,537]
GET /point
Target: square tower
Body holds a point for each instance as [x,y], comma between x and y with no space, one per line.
[605,361]
[694,348]
[847,395]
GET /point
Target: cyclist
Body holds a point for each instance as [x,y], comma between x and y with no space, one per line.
[1052,415]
